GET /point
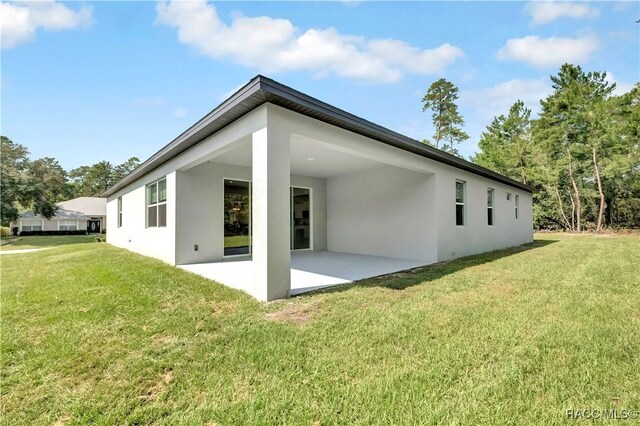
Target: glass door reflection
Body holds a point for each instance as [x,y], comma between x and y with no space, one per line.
[300,218]
[237,217]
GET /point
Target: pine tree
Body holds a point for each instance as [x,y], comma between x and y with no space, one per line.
[505,146]
[447,121]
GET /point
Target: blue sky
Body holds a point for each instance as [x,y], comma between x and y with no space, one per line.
[90,81]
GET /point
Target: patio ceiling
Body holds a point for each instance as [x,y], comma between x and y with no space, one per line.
[308,158]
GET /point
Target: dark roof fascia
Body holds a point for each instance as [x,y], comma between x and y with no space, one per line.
[189,137]
[377,132]
[279,94]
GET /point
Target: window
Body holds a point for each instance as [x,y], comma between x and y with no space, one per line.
[157,204]
[508,196]
[300,218]
[67,225]
[460,194]
[31,225]
[517,205]
[490,193]
[119,212]
[237,217]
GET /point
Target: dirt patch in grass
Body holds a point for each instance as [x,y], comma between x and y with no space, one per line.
[168,305]
[155,390]
[221,307]
[164,340]
[62,421]
[296,313]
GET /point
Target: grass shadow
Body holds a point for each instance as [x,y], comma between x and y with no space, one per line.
[42,241]
[401,280]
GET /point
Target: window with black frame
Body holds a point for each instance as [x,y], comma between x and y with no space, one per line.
[300,218]
[460,200]
[119,212]
[157,204]
[237,217]
[490,198]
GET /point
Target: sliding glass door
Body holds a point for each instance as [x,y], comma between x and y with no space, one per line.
[300,218]
[237,217]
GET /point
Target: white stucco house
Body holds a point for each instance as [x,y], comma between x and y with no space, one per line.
[78,214]
[275,192]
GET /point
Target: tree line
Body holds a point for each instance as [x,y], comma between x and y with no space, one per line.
[42,183]
[581,155]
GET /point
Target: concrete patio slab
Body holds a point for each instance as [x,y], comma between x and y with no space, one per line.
[309,270]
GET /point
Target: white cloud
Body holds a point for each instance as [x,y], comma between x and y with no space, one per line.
[492,101]
[548,52]
[544,12]
[273,45]
[19,21]
[622,87]
[180,112]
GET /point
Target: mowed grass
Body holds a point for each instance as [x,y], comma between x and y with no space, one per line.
[236,241]
[44,241]
[95,334]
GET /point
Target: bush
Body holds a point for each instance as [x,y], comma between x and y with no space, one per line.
[4,232]
[78,232]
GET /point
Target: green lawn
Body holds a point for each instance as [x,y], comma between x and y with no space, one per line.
[236,241]
[43,241]
[95,334]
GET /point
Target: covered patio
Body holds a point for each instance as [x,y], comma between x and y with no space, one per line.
[278,193]
[300,205]
[309,270]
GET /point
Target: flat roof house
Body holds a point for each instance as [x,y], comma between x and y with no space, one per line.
[275,192]
[77,214]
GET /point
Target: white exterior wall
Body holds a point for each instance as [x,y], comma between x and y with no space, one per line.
[476,236]
[386,212]
[52,224]
[452,241]
[404,208]
[201,213]
[161,242]
[158,242]
[397,213]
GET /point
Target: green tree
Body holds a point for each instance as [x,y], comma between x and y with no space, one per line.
[14,161]
[581,156]
[122,170]
[447,121]
[48,186]
[91,181]
[575,119]
[621,172]
[50,179]
[505,146]
[26,184]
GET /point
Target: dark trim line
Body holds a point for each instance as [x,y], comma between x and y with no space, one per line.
[260,90]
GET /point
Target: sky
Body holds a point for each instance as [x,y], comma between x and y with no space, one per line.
[90,81]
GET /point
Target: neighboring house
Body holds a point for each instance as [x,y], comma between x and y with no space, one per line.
[276,193]
[83,213]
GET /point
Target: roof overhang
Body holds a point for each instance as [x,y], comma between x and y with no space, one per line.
[261,90]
